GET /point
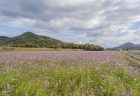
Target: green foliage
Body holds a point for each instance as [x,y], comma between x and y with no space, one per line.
[92,47]
[3,40]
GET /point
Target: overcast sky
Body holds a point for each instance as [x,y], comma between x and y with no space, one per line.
[107,23]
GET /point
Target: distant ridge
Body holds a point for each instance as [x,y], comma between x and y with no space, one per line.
[127,46]
[31,40]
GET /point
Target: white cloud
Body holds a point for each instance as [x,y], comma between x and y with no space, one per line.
[22,22]
[106,22]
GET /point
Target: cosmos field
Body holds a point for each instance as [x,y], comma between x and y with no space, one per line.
[68,73]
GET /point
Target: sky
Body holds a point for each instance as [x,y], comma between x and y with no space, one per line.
[108,23]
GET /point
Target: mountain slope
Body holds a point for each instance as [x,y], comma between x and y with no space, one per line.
[128,45]
[29,39]
[3,40]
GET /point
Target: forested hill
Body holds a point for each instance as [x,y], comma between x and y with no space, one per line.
[31,40]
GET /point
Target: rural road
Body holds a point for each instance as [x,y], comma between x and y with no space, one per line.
[136,56]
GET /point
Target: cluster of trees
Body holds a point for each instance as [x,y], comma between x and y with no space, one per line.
[91,47]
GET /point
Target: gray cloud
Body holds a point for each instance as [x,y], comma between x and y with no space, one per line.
[106,22]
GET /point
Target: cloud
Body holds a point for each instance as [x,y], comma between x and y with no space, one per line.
[106,22]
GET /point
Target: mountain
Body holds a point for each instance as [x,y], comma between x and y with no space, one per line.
[29,39]
[3,40]
[128,46]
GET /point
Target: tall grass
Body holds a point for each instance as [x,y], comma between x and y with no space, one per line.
[7,49]
[63,79]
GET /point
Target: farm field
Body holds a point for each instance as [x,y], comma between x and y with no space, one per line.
[68,73]
[5,49]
